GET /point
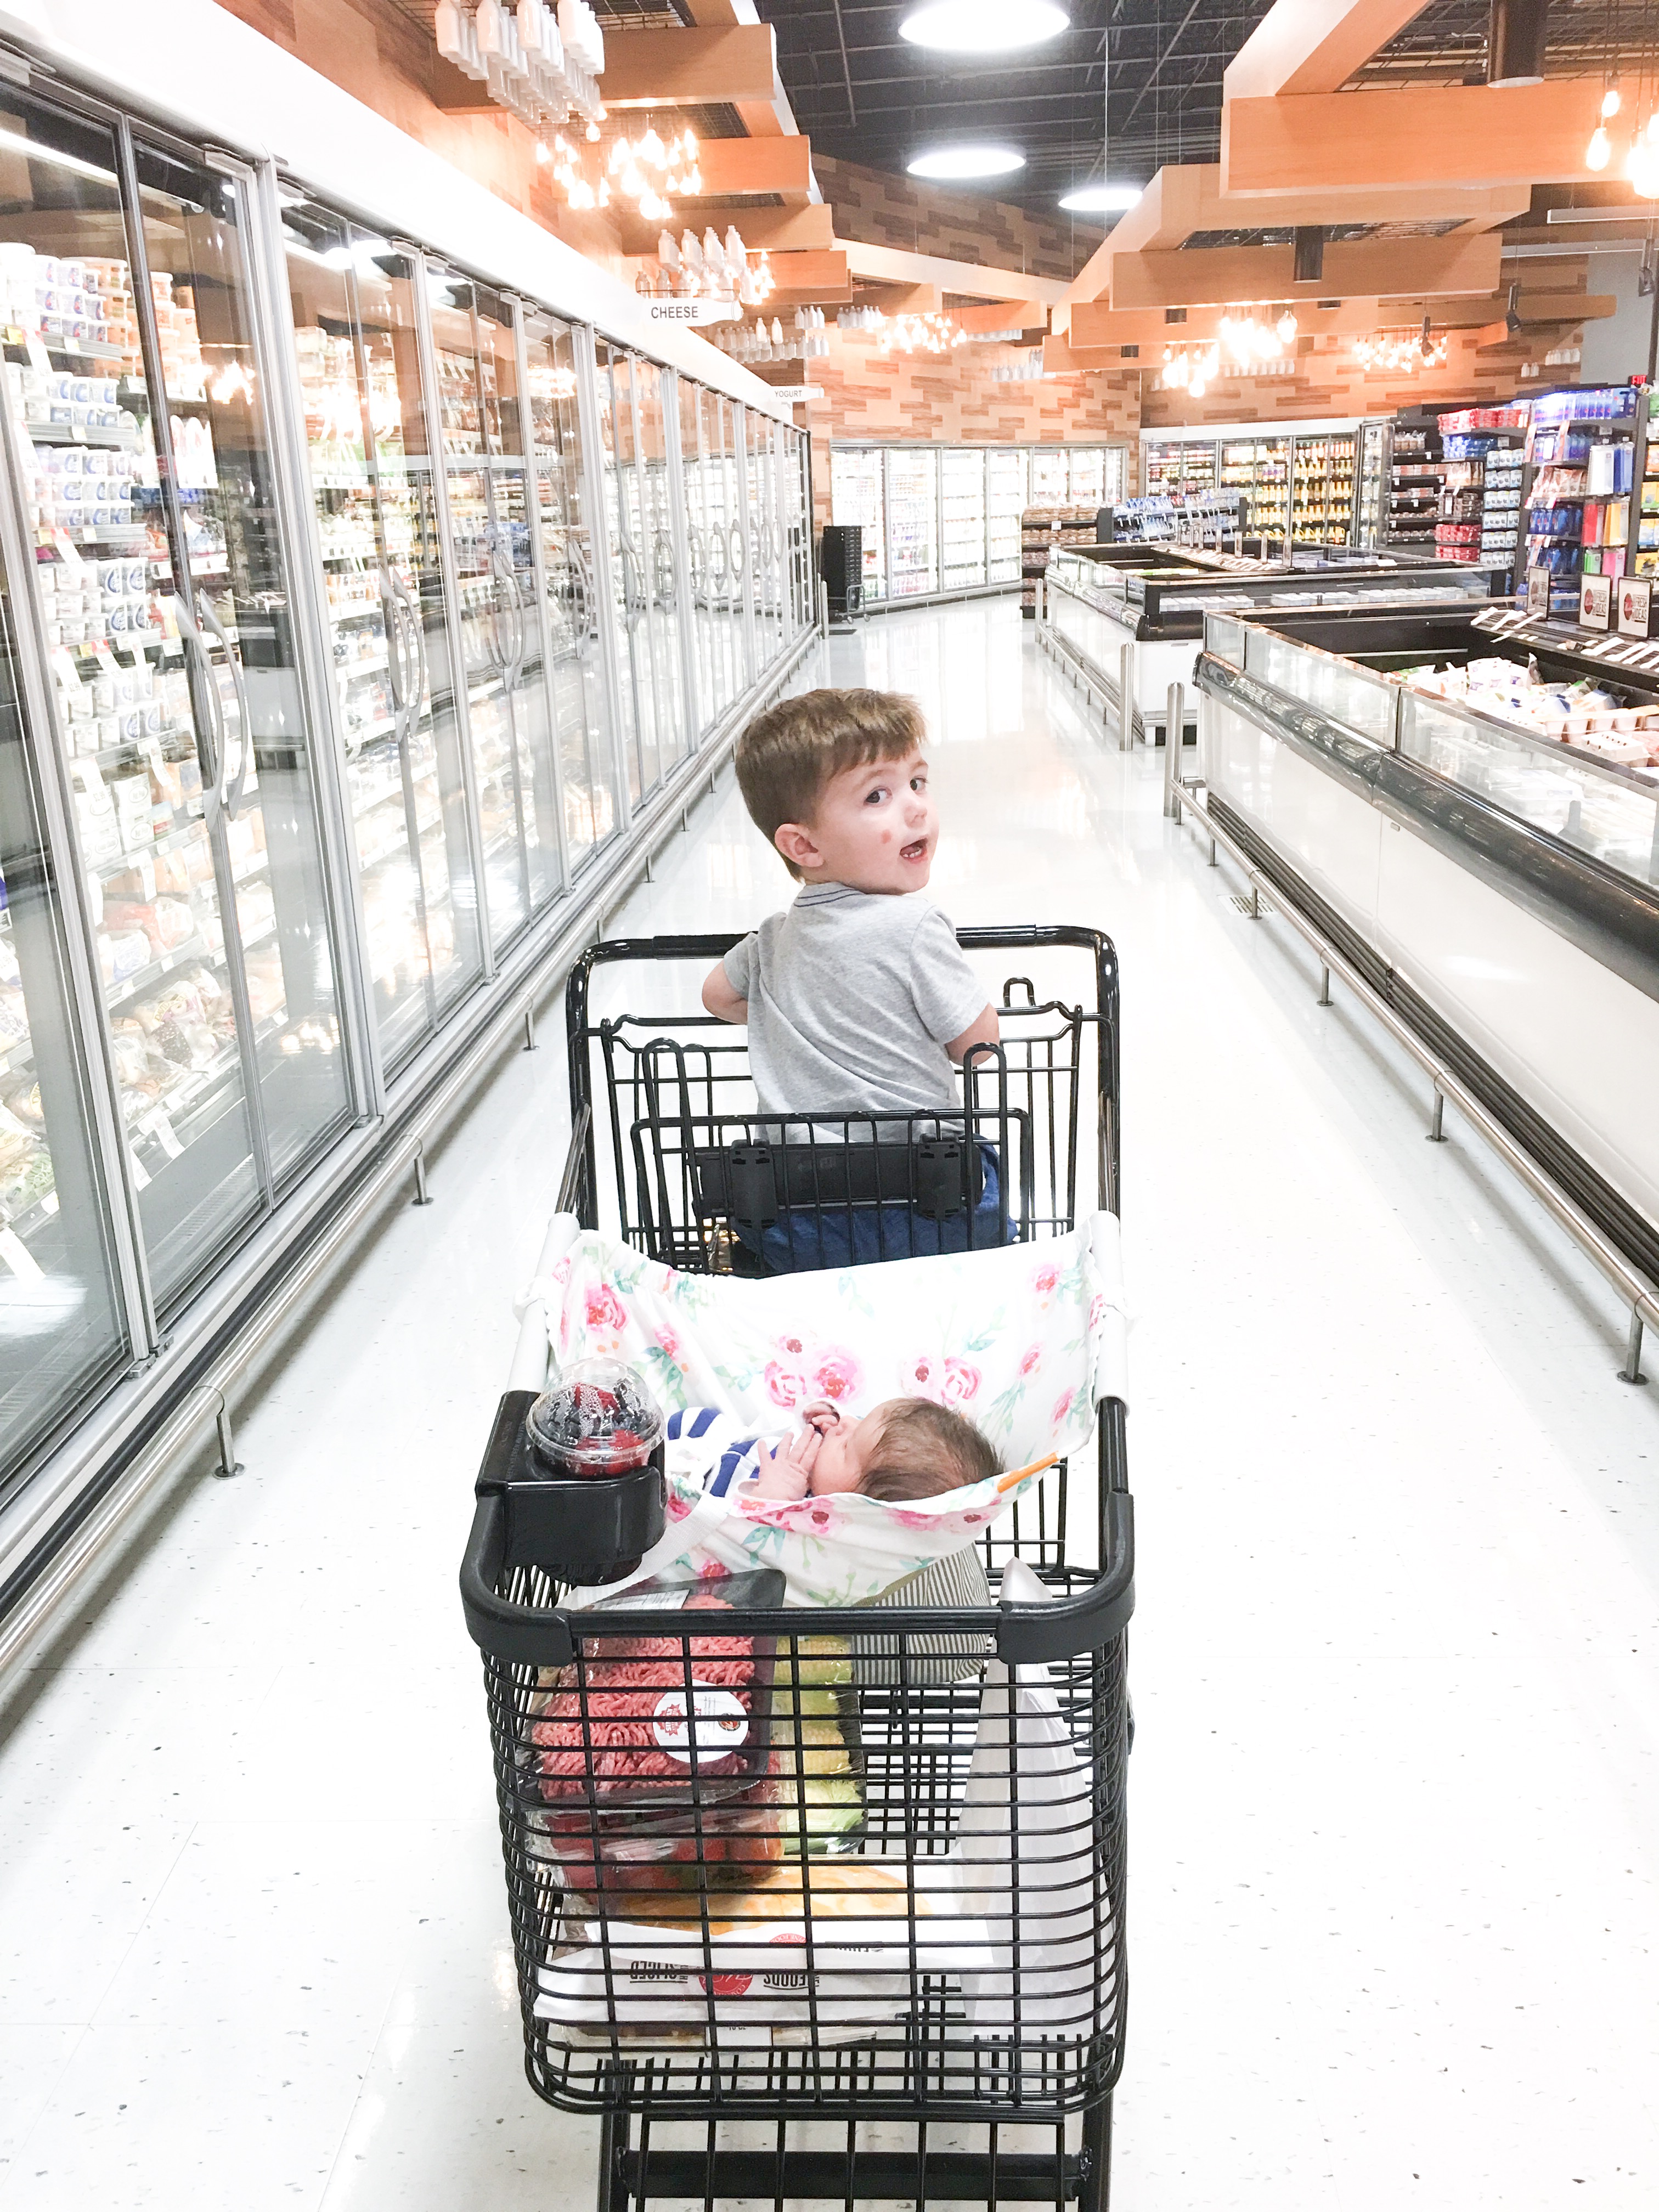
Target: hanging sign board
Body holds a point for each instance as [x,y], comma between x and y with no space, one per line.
[1538,592]
[1595,603]
[1635,607]
[693,314]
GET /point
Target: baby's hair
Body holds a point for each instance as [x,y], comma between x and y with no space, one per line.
[925,1451]
[788,755]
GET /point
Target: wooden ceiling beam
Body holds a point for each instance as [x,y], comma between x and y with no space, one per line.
[686,67]
[1313,45]
[778,167]
[1371,268]
[891,265]
[1349,145]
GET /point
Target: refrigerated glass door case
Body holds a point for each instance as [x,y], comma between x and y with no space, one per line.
[962,509]
[1086,475]
[354,318]
[858,494]
[569,529]
[1371,498]
[768,539]
[710,669]
[62,1330]
[643,590]
[912,521]
[135,390]
[486,510]
[675,718]
[798,485]
[1005,488]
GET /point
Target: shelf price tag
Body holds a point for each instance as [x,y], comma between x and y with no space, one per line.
[161,1129]
[1595,603]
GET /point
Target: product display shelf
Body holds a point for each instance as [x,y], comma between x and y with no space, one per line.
[1041,530]
[1180,465]
[1259,468]
[1646,563]
[1322,489]
[1580,454]
[1416,473]
[961,517]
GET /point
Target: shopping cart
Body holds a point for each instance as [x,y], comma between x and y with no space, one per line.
[824,1903]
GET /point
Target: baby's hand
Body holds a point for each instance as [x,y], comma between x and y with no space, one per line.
[778,1474]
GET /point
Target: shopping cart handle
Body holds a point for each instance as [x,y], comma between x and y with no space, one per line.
[1028,1635]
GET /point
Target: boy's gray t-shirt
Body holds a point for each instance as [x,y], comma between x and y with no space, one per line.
[853,997]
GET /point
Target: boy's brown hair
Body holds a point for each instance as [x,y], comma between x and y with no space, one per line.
[925,1450]
[788,755]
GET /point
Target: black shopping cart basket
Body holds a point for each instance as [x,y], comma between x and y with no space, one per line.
[827,1903]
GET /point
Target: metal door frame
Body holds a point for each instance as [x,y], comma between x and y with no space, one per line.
[45,743]
[539,571]
[586,349]
[297,516]
[751,640]
[437,461]
[199,672]
[678,528]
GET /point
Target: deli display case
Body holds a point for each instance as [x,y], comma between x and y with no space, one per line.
[1467,801]
[1103,602]
[350,660]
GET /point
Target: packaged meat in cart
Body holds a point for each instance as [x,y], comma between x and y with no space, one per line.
[652,1723]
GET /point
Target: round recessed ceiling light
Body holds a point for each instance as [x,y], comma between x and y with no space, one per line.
[967,162]
[984,27]
[1100,199]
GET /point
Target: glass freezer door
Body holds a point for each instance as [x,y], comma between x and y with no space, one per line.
[768,541]
[858,494]
[911,520]
[353,301]
[641,565]
[568,523]
[487,502]
[962,497]
[1004,504]
[221,598]
[61,1333]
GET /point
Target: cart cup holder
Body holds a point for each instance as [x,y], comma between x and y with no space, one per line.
[579,1528]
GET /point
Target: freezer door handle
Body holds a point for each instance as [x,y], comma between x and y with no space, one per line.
[510,615]
[397,669]
[230,795]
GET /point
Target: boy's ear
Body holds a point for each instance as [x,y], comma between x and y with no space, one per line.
[797,845]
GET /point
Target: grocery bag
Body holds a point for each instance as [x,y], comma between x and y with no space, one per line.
[1025,1858]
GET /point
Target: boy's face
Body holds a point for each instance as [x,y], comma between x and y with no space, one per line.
[874,829]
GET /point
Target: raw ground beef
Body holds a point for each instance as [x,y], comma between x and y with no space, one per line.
[605,1728]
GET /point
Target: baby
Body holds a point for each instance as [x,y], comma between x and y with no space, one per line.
[907,1448]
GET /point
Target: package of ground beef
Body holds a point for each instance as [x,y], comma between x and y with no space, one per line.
[648,1723]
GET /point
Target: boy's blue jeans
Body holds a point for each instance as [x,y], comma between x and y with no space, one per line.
[805,1238]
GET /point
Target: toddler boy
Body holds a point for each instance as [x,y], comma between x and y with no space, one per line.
[857,998]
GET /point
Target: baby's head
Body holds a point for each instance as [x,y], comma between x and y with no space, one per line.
[907,1448]
[836,781]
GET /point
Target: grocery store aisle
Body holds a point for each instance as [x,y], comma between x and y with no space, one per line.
[1396,1794]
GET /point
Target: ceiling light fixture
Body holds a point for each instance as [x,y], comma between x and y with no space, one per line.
[967,162]
[1100,199]
[984,27]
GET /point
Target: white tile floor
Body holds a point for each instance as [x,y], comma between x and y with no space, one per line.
[1395,1792]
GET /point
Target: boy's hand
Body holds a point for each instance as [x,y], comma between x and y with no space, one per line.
[779,1474]
[719,998]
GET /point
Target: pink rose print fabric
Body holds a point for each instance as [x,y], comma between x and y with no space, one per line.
[1023,1341]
